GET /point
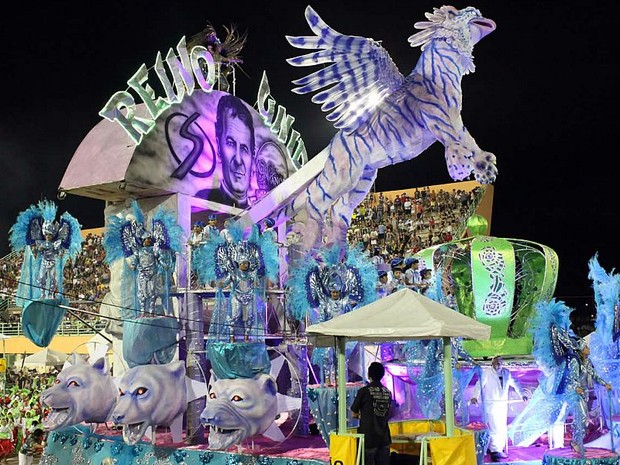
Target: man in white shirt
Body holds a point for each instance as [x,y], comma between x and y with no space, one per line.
[496,382]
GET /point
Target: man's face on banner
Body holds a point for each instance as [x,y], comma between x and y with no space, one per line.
[270,166]
[236,155]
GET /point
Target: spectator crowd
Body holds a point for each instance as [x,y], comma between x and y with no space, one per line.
[391,227]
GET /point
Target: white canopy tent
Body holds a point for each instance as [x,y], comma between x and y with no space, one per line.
[400,316]
[45,358]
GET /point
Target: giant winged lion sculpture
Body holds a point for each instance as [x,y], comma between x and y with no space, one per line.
[384,117]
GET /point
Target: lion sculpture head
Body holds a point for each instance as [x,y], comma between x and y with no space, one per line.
[81,393]
[150,396]
[239,408]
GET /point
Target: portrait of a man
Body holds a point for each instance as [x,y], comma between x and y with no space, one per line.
[234,134]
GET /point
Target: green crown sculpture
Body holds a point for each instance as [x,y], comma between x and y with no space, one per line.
[496,281]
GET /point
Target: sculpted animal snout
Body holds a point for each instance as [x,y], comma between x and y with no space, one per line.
[118,418]
[206,417]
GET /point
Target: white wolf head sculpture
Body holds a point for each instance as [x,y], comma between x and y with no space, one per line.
[239,408]
[82,393]
[150,396]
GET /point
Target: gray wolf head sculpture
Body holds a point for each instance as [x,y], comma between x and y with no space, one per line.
[81,393]
[150,396]
[239,408]
[383,117]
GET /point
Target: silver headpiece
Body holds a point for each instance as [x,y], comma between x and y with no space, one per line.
[49,227]
[334,278]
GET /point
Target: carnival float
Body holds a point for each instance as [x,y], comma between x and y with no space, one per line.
[247,318]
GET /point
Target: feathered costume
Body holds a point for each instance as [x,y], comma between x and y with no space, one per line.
[47,245]
[326,286]
[244,265]
[220,261]
[149,328]
[604,346]
[563,388]
[430,379]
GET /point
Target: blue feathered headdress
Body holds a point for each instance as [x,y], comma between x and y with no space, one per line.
[125,234]
[166,230]
[547,350]
[35,222]
[27,229]
[606,294]
[360,281]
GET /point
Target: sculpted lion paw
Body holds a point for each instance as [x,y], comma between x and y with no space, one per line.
[459,161]
[485,170]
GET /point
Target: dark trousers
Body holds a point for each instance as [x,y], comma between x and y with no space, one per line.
[377,455]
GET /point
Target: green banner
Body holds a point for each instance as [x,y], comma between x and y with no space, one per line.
[493,282]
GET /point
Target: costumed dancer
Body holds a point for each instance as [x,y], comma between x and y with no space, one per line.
[244,265]
[430,379]
[47,245]
[149,256]
[198,234]
[581,375]
[327,286]
[564,386]
[603,341]
[211,226]
[7,447]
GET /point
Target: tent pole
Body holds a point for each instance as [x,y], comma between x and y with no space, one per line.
[342,385]
[447,381]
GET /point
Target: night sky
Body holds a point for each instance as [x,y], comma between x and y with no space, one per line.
[543,99]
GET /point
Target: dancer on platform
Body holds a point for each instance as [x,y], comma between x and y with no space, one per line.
[244,265]
[326,286]
[148,258]
[47,245]
[568,372]
[149,254]
[604,341]
[580,377]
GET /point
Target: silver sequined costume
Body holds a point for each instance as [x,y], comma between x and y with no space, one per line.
[145,261]
[47,280]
